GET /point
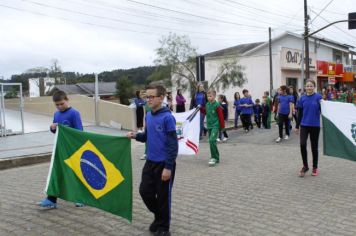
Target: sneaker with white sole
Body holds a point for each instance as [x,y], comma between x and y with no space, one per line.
[46,203]
[278,140]
[286,137]
[143,157]
[225,139]
[218,140]
[212,162]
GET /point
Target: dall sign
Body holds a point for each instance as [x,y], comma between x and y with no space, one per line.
[292,59]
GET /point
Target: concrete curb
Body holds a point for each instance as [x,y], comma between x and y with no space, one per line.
[24,160]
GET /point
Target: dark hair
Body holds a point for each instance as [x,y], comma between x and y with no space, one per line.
[267,93]
[179,92]
[311,81]
[244,91]
[161,91]
[223,98]
[257,100]
[283,88]
[59,96]
[138,93]
[237,94]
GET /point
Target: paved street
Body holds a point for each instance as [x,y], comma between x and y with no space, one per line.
[255,190]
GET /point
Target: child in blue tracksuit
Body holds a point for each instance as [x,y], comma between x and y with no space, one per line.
[246,105]
[140,103]
[66,115]
[285,109]
[309,123]
[159,169]
[257,109]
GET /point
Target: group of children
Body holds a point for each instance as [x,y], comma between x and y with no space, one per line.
[161,141]
[245,108]
[343,94]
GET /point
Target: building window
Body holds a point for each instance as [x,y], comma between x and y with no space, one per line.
[292,82]
[337,57]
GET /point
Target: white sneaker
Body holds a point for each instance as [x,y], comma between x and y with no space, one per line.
[212,162]
[225,139]
[286,137]
[218,140]
[143,157]
[278,140]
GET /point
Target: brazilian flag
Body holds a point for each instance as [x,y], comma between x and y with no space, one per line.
[92,169]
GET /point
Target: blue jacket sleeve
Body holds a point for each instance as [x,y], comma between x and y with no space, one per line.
[142,137]
[172,149]
[77,122]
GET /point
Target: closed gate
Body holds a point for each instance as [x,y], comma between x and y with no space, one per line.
[11,109]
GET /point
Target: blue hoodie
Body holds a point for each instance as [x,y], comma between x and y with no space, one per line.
[70,117]
[161,137]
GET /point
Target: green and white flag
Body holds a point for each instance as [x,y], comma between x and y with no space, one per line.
[93,169]
[339,129]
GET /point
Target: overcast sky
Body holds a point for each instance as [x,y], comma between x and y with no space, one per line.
[102,35]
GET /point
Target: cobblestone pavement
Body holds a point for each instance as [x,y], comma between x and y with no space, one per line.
[253,191]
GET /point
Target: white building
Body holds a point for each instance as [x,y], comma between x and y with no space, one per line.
[286,62]
[329,61]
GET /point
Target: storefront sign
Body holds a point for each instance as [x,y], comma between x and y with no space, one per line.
[331,80]
[329,68]
[292,59]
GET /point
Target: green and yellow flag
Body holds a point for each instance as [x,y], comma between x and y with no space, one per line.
[92,169]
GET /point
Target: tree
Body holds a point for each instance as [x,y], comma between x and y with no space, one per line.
[124,88]
[230,73]
[177,54]
[55,71]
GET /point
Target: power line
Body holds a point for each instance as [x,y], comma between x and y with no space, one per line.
[321,11]
[149,33]
[202,17]
[145,12]
[128,11]
[252,16]
[257,9]
[119,20]
[345,32]
[332,12]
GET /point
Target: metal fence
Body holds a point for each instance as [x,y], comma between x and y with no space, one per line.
[11,121]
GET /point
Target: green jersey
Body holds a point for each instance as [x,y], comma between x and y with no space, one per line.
[212,116]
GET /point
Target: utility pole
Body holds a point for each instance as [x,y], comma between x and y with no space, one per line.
[270,62]
[306,41]
[96,100]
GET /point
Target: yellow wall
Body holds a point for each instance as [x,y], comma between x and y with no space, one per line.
[109,113]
